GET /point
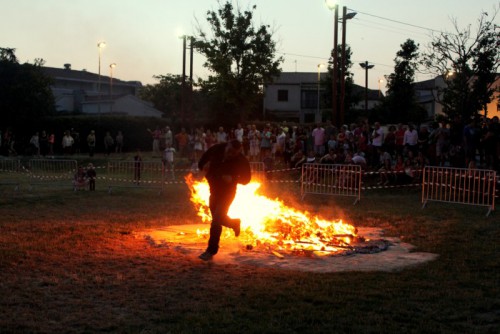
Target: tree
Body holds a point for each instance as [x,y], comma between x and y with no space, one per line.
[165,96]
[467,61]
[241,58]
[400,103]
[25,93]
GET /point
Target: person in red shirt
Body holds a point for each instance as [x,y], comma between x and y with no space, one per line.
[400,135]
[182,141]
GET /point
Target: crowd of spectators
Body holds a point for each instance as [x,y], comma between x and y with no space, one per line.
[374,146]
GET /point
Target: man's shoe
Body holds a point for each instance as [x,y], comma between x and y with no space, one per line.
[206,256]
[237,227]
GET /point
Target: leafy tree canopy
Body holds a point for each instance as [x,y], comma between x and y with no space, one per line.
[241,57]
[165,95]
[400,103]
[25,93]
[467,61]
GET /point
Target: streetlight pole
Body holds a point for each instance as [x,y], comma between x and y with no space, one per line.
[100,45]
[319,80]
[366,66]
[186,99]
[345,17]
[183,93]
[111,67]
[335,7]
[191,51]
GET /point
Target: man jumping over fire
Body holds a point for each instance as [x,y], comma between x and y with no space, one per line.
[224,166]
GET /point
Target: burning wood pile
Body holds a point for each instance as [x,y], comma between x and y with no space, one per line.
[270,226]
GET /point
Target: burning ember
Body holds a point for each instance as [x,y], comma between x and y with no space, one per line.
[270,225]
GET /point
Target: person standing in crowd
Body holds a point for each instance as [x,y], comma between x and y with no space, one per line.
[423,139]
[318,134]
[470,140]
[182,139]
[169,137]
[390,141]
[377,142]
[209,139]
[254,144]
[265,141]
[221,135]
[156,134]
[119,142]
[76,138]
[67,143]
[91,143]
[108,143]
[225,167]
[238,133]
[168,160]
[329,131]
[91,176]
[52,141]
[44,144]
[441,137]
[410,140]
[137,167]
[35,144]
[198,144]
[400,137]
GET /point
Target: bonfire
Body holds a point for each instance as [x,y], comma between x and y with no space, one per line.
[268,224]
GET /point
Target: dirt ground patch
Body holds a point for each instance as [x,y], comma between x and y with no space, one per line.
[184,239]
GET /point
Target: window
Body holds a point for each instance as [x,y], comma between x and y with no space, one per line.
[282,95]
[309,99]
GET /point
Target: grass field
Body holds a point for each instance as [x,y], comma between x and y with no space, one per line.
[69,263]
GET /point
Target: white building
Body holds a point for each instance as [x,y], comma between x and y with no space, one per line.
[294,96]
[79,91]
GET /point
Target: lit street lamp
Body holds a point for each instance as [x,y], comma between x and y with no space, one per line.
[100,45]
[111,67]
[366,66]
[379,82]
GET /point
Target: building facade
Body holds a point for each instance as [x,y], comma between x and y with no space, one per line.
[79,91]
[427,96]
[297,97]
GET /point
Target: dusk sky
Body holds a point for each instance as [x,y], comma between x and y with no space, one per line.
[142,36]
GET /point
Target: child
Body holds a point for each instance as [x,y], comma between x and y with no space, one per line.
[137,167]
[79,181]
[168,159]
[91,176]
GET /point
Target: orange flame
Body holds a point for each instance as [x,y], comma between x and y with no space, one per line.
[270,223]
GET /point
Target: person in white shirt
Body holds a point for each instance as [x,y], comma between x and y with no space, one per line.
[377,141]
[168,160]
[67,143]
[377,135]
[238,133]
[410,140]
[221,136]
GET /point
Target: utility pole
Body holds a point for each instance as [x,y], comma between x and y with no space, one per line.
[366,66]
